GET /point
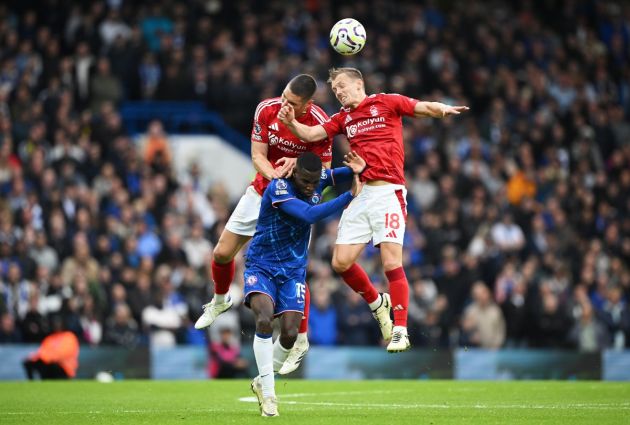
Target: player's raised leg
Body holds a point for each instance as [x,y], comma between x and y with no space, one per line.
[264,385]
[344,263]
[391,256]
[222,274]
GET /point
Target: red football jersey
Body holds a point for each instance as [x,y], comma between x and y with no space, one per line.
[374,130]
[282,143]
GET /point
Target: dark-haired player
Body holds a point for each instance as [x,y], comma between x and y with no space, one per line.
[274,149]
[275,267]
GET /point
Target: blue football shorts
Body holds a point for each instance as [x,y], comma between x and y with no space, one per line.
[285,287]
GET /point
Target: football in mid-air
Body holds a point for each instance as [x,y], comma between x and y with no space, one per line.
[347,36]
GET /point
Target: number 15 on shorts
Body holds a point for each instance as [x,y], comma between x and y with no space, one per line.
[300,292]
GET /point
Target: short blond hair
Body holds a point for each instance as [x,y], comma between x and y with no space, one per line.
[351,72]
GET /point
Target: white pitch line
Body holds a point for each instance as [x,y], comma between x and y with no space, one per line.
[584,406]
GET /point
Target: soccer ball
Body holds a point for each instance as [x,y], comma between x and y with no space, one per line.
[347,36]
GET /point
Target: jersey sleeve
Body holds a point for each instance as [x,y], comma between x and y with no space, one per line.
[313,213]
[322,149]
[402,105]
[341,174]
[259,127]
[333,126]
[279,191]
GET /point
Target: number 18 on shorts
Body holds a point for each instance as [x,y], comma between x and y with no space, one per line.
[378,213]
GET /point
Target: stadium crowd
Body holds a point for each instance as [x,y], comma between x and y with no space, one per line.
[518,231]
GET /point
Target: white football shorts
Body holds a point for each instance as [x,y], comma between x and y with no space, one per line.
[245,216]
[379,214]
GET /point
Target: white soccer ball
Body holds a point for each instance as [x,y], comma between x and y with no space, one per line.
[348,36]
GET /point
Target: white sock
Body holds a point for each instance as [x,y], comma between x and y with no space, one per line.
[220,298]
[376,303]
[280,354]
[263,351]
[302,338]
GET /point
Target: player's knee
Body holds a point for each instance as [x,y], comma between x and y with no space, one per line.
[339,265]
[221,255]
[263,324]
[389,265]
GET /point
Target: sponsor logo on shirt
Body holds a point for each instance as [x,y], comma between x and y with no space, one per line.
[274,126]
[364,126]
[348,119]
[285,145]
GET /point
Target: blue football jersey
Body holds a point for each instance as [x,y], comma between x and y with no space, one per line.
[281,240]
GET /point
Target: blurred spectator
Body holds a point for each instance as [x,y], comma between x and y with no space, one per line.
[166,315]
[121,329]
[9,334]
[482,323]
[616,317]
[355,322]
[157,152]
[588,333]
[197,248]
[322,322]
[225,357]
[57,357]
[507,235]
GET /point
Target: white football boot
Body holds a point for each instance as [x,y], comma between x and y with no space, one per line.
[256,386]
[400,340]
[269,407]
[382,316]
[211,311]
[295,357]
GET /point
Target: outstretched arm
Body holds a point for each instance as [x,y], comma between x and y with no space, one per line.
[305,132]
[437,110]
[313,213]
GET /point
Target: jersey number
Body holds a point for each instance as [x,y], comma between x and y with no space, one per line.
[300,291]
[392,220]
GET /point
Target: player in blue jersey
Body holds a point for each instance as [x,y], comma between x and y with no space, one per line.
[275,266]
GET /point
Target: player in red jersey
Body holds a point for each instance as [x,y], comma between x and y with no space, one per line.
[373,126]
[274,152]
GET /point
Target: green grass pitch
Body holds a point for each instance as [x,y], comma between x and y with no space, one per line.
[316,402]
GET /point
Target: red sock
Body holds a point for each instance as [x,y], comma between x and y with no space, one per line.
[399,291]
[307,302]
[358,280]
[222,274]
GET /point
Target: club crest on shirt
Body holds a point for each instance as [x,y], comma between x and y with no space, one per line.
[315,199]
[281,184]
[373,111]
[251,280]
